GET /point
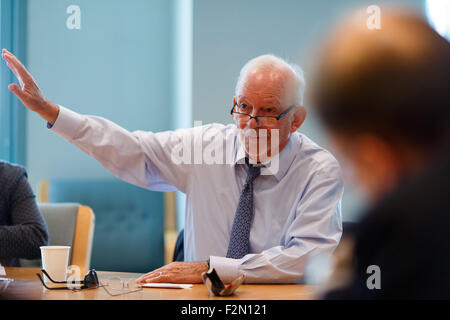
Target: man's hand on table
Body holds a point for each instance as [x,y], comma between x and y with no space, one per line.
[177,272]
[28,92]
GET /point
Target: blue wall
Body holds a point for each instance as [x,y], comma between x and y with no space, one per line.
[118,65]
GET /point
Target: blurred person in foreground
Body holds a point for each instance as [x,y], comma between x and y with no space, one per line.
[384,97]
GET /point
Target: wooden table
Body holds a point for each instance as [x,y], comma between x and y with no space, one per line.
[26,285]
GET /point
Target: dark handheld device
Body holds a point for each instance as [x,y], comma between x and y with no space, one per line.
[215,285]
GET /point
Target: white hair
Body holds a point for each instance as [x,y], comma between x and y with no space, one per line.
[272,61]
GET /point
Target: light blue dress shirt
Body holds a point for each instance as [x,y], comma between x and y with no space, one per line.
[297,203]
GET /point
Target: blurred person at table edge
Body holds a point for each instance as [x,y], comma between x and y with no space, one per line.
[22,228]
[384,97]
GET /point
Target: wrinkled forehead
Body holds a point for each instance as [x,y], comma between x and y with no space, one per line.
[266,85]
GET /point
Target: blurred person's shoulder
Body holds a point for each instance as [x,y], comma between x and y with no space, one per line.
[419,200]
[9,172]
[406,235]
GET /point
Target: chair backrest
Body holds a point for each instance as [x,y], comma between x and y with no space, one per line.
[129,222]
[170,226]
[69,224]
[178,252]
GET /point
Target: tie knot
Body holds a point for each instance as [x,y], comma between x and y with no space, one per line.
[253,173]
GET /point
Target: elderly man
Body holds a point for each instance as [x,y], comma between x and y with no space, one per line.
[246,215]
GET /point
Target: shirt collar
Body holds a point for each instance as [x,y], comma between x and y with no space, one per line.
[286,157]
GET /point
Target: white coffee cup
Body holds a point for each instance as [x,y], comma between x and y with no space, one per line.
[55,261]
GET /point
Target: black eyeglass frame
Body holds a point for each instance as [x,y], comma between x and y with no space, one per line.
[90,281]
[259,117]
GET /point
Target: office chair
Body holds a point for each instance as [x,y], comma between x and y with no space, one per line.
[69,224]
[129,232]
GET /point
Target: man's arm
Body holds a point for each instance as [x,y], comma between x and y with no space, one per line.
[141,158]
[145,159]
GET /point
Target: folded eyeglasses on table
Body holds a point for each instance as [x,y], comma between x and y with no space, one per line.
[117,286]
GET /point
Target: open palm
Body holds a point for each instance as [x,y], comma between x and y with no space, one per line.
[28,92]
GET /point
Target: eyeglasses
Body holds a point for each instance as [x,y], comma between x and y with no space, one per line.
[116,285]
[264,119]
[90,281]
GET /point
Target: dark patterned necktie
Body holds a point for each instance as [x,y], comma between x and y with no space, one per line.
[239,244]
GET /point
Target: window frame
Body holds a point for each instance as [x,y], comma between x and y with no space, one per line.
[12,112]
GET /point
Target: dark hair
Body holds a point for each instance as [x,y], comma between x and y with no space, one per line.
[399,95]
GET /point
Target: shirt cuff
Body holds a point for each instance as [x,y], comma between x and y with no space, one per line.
[227,268]
[67,124]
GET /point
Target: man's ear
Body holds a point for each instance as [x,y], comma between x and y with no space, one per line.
[299,118]
[234,100]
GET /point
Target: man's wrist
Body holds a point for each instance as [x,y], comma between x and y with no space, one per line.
[50,112]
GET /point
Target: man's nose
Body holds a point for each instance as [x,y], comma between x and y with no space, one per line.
[253,123]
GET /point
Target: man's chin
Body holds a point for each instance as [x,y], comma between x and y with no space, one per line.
[256,143]
[258,156]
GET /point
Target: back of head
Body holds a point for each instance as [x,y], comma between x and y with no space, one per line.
[392,82]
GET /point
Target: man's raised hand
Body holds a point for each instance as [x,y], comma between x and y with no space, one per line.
[28,92]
